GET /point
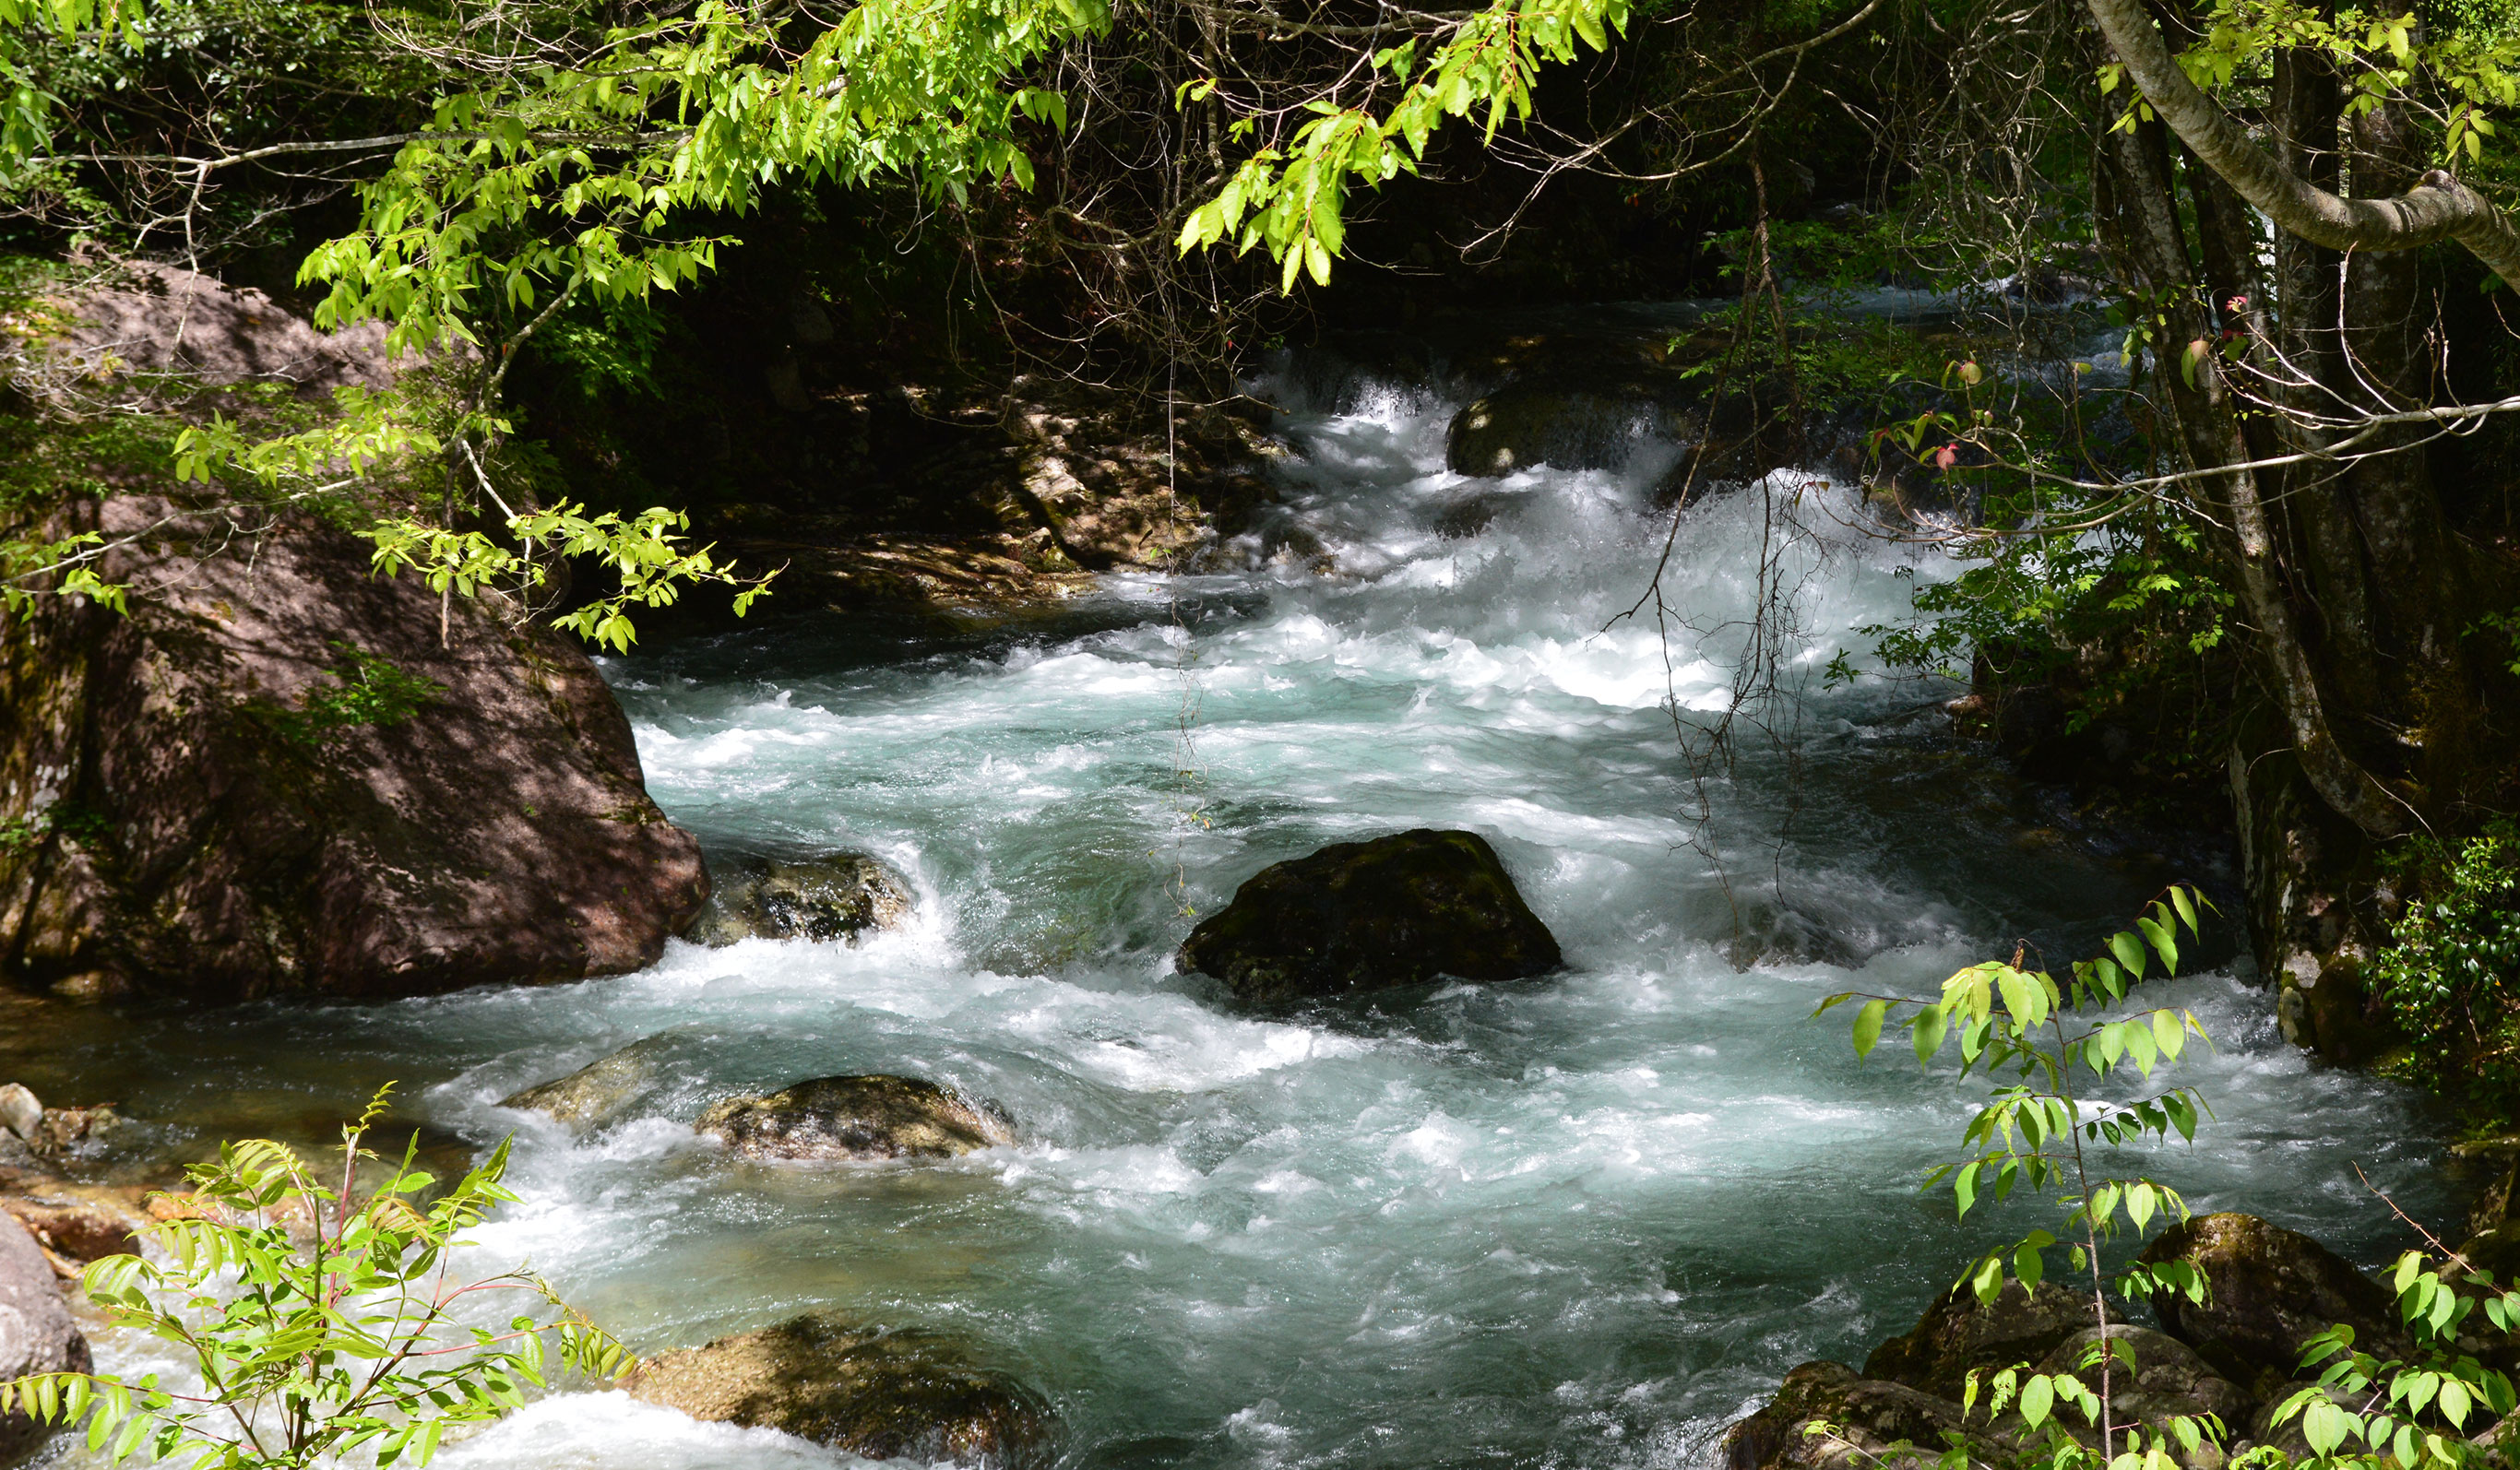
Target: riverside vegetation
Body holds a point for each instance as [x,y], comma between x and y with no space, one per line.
[2036,1037]
[2265,553]
[319,1318]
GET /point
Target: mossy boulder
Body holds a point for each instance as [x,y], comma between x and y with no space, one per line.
[283,774]
[36,1333]
[1872,1418]
[1959,1333]
[873,1117]
[2271,1290]
[835,895]
[604,1089]
[881,1395]
[1401,909]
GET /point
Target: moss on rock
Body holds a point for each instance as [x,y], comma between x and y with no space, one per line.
[881,1395]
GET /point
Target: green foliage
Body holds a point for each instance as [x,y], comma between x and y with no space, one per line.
[2450,979]
[2034,1038]
[648,561]
[2369,1414]
[318,1322]
[1291,198]
[2462,68]
[2005,1020]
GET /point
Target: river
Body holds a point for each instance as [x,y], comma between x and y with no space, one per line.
[1582,1221]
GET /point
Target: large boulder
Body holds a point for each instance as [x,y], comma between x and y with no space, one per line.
[36,1333]
[2271,1290]
[283,774]
[835,895]
[1364,915]
[1959,1333]
[881,1395]
[875,1116]
[1868,1419]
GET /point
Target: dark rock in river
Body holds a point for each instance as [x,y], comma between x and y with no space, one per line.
[599,1091]
[1871,1416]
[837,896]
[2271,1290]
[36,1333]
[272,776]
[1959,1333]
[875,1117]
[1364,915]
[881,1395]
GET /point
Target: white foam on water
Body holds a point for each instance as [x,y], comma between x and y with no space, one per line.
[1583,1219]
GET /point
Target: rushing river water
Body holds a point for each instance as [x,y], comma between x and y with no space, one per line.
[1584,1219]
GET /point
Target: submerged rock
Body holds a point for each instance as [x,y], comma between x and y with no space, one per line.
[873,1117]
[1364,915]
[599,1091]
[76,1222]
[1959,1333]
[1872,1418]
[881,1395]
[36,1333]
[2271,1290]
[278,774]
[836,896]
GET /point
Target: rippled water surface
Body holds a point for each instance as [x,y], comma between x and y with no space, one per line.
[1583,1219]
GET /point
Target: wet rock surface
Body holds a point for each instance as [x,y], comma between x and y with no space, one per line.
[36,1333]
[1397,910]
[881,1395]
[2271,1289]
[220,818]
[2232,1358]
[1869,1417]
[603,1089]
[2154,1379]
[1959,1333]
[857,1118]
[837,896]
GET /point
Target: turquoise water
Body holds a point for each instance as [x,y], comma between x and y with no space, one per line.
[1580,1221]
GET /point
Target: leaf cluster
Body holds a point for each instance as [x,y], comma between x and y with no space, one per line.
[317,1321]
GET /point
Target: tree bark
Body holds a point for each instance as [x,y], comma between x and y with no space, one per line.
[2439,207]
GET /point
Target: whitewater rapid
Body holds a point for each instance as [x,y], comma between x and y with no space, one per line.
[1580,1221]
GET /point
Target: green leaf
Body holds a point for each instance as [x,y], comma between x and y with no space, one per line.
[2162,943]
[2038,1396]
[2029,1265]
[1927,1032]
[1867,1027]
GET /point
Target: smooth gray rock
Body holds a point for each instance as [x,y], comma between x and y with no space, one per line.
[36,1333]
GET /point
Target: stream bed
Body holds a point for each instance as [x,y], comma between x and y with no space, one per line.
[1583,1221]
